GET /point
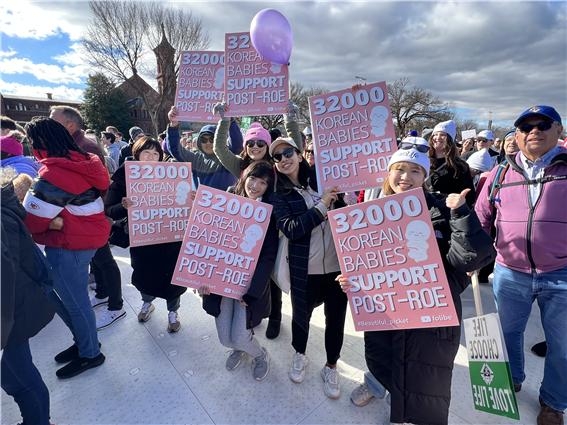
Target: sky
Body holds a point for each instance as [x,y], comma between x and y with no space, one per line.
[487,59]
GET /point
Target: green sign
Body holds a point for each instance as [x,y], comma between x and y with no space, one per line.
[491,380]
[245,123]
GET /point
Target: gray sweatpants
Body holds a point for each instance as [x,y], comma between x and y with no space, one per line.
[231,328]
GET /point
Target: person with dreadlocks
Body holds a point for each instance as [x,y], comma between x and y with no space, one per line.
[66,214]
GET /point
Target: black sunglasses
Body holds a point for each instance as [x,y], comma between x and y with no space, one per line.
[206,140]
[287,152]
[419,148]
[259,143]
[308,151]
[541,126]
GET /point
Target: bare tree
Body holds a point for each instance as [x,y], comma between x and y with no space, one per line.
[415,107]
[300,96]
[123,32]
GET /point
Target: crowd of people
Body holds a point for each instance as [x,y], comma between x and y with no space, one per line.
[494,205]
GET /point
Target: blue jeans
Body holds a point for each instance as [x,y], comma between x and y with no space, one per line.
[172,304]
[71,276]
[515,293]
[374,386]
[22,381]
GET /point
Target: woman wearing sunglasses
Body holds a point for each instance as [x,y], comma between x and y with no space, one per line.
[415,365]
[449,173]
[301,215]
[256,143]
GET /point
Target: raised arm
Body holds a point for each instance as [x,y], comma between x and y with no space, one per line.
[231,161]
[180,153]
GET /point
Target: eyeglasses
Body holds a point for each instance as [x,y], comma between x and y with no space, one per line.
[308,151]
[419,148]
[259,143]
[206,140]
[287,153]
[541,126]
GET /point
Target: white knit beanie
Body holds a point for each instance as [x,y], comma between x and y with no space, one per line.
[481,161]
[448,127]
[413,156]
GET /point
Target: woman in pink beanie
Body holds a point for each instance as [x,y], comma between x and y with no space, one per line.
[12,155]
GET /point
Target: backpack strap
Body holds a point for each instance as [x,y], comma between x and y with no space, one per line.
[497,182]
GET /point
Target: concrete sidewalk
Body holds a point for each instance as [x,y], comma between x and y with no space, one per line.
[152,377]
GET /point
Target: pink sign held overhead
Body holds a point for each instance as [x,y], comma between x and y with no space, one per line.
[353,137]
[222,243]
[161,192]
[388,251]
[253,86]
[200,85]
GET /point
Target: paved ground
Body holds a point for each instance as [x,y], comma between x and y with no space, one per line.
[152,377]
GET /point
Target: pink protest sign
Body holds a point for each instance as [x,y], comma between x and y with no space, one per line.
[200,85]
[161,192]
[222,243]
[353,137]
[388,250]
[253,86]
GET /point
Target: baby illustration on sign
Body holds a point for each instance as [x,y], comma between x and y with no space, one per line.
[417,233]
[251,237]
[378,117]
[182,192]
[219,78]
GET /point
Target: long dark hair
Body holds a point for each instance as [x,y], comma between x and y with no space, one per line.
[48,135]
[260,169]
[246,160]
[451,157]
[284,184]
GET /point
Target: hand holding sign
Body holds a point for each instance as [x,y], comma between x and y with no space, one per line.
[455,200]
[330,196]
[172,117]
[219,109]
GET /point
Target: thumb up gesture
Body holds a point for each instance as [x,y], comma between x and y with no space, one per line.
[455,200]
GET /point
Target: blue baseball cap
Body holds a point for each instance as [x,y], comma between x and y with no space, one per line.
[539,111]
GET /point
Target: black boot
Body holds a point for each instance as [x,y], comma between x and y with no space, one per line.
[273,329]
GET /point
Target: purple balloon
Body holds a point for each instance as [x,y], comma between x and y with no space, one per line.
[271,36]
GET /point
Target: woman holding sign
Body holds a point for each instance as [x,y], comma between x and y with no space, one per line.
[152,265]
[302,217]
[235,319]
[415,365]
[256,143]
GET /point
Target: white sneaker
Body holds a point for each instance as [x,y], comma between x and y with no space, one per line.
[95,302]
[331,382]
[145,312]
[173,324]
[105,318]
[298,365]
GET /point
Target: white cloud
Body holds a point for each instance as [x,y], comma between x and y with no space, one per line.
[60,92]
[42,19]
[479,56]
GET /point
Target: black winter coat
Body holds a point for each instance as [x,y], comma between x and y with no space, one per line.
[25,276]
[416,365]
[152,265]
[257,297]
